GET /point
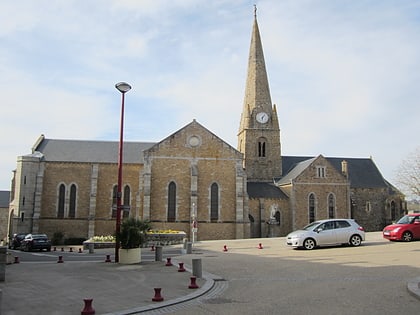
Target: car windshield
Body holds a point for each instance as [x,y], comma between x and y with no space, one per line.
[405,220]
[39,236]
[311,226]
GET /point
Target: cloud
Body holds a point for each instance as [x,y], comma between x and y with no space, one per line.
[344,75]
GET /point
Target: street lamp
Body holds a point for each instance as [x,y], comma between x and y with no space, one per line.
[123,88]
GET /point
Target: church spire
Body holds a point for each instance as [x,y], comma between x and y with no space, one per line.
[259,132]
[257,90]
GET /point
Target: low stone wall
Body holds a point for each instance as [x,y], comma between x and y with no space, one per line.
[160,239]
[165,239]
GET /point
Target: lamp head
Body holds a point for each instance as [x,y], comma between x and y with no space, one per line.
[123,87]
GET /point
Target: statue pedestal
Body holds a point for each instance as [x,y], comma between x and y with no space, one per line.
[273,230]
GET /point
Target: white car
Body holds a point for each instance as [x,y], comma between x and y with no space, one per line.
[327,233]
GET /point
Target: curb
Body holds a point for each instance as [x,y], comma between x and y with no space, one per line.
[206,287]
[413,287]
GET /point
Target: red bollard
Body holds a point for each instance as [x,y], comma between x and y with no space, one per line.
[157,297]
[260,246]
[108,258]
[88,310]
[55,249]
[181,267]
[152,249]
[60,259]
[80,250]
[193,284]
[168,262]
[62,249]
[16,260]
[71,249]
[225,249]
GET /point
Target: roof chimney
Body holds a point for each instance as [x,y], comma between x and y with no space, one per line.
[344,168]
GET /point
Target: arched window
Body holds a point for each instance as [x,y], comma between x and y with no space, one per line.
[61,201]
[114,201]
[171,202]
[126,203]
[214,202]
[277,216]
[72,206]
[311,208]
[261,148]
[331,206]
[393,212]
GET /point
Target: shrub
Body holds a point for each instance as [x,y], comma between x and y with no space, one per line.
[133,233]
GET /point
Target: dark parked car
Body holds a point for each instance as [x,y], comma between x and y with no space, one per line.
[16,240]
[35,241]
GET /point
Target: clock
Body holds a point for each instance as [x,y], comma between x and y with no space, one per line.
[262,117]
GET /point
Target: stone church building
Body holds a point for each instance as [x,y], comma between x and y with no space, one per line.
[69,186]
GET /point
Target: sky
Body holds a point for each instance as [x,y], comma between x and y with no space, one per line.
[344,75]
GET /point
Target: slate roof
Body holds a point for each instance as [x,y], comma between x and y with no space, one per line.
[363,172]
[264,190]
[90,151]
[4,198]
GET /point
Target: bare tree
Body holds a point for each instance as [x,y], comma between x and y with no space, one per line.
[408,176]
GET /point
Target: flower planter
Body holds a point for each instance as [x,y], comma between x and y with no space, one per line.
[129,256]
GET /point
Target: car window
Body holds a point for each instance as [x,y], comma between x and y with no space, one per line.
[327,226]
[341,224]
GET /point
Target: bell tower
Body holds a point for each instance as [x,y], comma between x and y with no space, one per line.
[259,132]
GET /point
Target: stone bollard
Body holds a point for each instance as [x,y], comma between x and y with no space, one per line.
[189,248]
[158,253]
[3,258]
[196,268]
[91,248]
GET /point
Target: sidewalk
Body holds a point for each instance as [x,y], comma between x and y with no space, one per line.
[60,288]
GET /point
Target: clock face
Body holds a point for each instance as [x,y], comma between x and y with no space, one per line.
[262,117]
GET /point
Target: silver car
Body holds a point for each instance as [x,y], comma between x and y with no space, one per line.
[327,233]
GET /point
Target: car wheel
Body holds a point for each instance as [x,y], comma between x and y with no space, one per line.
[407,236]
[355,240]
[309,244]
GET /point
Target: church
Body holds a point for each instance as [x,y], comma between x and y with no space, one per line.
[194,178]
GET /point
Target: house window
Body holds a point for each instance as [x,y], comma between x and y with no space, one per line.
[171,202]
[331,206]
[61,201]
[126,203]
[72,205]
[311,208]
[214,202]
[368,206]
[320,171]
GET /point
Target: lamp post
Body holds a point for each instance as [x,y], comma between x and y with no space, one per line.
[123,88]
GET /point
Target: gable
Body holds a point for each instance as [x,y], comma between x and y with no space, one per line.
[193,140]
[362,172]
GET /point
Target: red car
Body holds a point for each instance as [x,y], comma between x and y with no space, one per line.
[406,229]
